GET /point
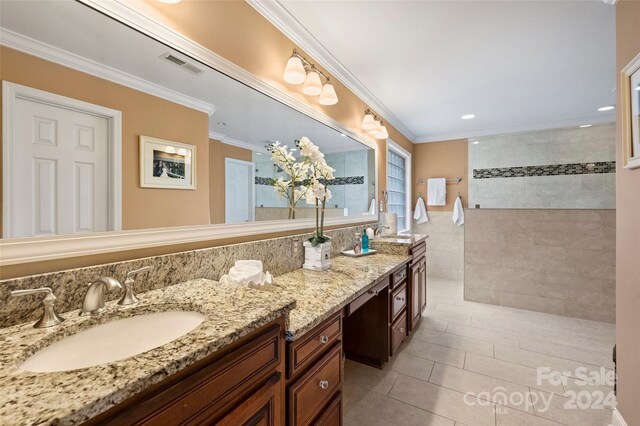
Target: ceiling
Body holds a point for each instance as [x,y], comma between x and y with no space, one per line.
[516,65]
[243,116]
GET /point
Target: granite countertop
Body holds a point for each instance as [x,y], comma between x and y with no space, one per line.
[396,244]
[320,294]
[72,397]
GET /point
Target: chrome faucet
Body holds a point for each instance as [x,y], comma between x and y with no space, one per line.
[94,299]
[49,317]
[378,230]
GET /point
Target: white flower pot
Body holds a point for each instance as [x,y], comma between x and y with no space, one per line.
[317,258]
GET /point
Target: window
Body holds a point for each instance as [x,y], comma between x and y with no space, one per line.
[398,184]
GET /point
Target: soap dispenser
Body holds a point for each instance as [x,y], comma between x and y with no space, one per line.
[365,242]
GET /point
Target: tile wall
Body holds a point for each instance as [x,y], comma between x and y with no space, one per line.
[561,168]
[555,261]
[445,245]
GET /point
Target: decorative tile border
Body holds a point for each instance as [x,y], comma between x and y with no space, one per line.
[547,170]
[348,180]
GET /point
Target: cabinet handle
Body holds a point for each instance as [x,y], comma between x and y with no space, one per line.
[323,384]
[375,293]
[402,330]
[401,299]
[324,340]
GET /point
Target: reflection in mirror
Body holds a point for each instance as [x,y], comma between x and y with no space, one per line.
[90,102]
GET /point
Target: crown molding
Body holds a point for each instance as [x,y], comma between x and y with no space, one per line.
[139,16]
[50,53]
[282,19]
[235,142]
[601,119]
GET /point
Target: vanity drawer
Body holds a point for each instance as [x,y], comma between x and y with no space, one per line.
[399,276]
[312,391]
[364,298]
[418,252]
[304,351]
[332,414]
[398,301]
[398,332]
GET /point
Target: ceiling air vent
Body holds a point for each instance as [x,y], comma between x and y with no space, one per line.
[182,63]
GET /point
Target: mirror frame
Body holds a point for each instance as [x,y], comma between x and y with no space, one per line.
[38,249]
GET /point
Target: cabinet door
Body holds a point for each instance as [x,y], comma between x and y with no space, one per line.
[264,407]
[423,285]
[414,291]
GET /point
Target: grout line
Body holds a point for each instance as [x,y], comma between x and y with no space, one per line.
[394,383]
[433,367]
[464,363]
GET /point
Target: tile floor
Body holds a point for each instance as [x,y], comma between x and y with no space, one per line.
[474,364]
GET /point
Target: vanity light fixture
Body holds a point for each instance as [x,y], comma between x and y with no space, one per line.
[312,84]
[372,124]
[300,71]
[468,116]
[606,108]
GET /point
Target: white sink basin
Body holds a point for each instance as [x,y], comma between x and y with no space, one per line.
[113,341]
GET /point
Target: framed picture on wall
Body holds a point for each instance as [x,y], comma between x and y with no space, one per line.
[630,94]
[167,164]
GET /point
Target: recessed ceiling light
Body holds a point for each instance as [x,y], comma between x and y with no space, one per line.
[606,108]
[170,1]
[221,123]
[343,135]
[476,142]
[468,116]
[584,126]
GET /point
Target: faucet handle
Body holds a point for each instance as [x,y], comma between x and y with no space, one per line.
[49,317]
[129,296]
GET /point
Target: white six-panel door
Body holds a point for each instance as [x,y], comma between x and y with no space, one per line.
[60,173]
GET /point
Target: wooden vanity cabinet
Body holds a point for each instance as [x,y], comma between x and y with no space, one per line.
[242,384]
[314,375]
[417,285]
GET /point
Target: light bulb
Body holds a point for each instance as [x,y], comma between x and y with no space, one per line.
[294,73]
[368,122]
[312,84]
[328,95]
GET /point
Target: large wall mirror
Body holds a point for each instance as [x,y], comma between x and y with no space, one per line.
[107,129]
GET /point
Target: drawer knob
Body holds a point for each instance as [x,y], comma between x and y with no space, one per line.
[324,340]
[323,384]
[402,330]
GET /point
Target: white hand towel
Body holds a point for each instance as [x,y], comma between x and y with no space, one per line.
[458,212]
[372,207]
[436,191]
[420,213]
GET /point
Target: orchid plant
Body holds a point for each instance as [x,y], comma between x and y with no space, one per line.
[308,179]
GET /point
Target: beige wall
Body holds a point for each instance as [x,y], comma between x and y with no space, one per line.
[218,151]
[628,237]
[142,114]
[556,261]
[446,159]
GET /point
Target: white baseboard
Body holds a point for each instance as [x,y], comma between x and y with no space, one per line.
[616,418]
